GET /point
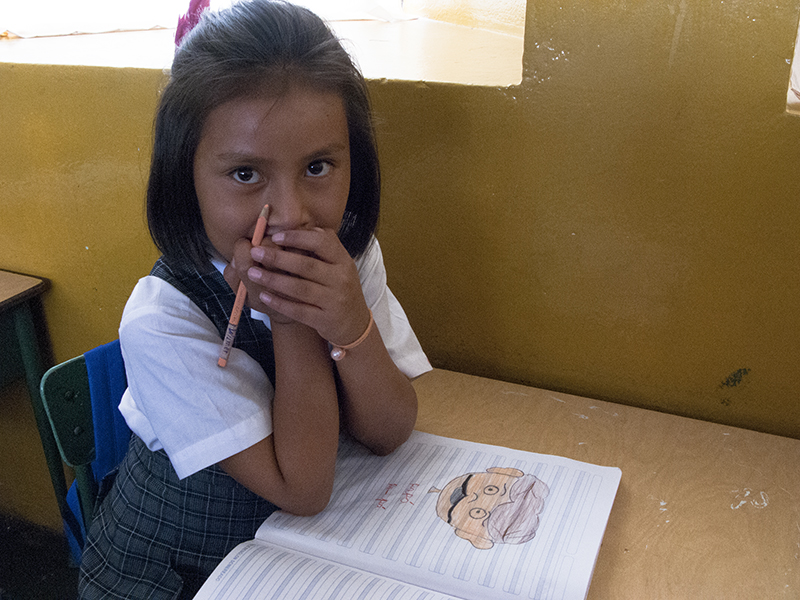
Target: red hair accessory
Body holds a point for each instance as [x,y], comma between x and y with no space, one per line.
[192,17]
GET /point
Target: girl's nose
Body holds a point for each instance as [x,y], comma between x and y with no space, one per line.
[288,209]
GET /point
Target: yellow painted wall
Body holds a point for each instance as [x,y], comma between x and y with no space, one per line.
[73,165]
[623,225]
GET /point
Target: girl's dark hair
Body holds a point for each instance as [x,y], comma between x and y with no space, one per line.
[254,47]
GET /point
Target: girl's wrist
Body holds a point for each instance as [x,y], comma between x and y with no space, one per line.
[297,344]
[290,328]
[339,351]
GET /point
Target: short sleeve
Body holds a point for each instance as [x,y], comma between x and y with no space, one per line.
[390,318]
[178,398]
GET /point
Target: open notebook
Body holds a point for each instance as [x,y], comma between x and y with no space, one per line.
[438,518]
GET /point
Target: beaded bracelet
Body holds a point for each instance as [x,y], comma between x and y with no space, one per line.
[338,352]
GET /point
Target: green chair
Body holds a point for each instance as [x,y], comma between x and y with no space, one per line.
[80,397]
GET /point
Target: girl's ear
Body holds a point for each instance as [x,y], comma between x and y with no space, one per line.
[511,472]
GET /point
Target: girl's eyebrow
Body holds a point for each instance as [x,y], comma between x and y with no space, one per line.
[332,148]
[246,157]
[236,157]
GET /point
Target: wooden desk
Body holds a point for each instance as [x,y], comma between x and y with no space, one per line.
[703,510]
[24,355]
[21,352]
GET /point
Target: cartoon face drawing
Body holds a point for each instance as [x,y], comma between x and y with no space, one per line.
[500,506]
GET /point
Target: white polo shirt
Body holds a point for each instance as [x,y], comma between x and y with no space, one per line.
[178,398]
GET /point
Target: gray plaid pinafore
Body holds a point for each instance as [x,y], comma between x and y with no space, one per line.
[156,536]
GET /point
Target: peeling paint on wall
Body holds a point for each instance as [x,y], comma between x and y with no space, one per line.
[735,379]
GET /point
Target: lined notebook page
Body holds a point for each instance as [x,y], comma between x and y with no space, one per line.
[382,518]
[260,571]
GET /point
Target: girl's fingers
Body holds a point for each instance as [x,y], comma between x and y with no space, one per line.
[290,261]
[307,254]
[241,260]
[296,311]
[288,286]
[323,243]
[237,271]
[309,276]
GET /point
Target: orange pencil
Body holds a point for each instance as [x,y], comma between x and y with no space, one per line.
[241,294]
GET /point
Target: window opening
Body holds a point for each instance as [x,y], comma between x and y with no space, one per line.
[412,40]
[793,95]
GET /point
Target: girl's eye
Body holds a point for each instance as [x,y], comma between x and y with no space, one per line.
[318,168]
[245,175]
[491,490]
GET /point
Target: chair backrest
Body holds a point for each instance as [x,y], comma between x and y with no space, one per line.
[81,398]
[67,401]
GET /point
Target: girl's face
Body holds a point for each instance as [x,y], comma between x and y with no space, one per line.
[291,152]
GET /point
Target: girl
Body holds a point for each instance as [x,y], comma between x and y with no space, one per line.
[263,107]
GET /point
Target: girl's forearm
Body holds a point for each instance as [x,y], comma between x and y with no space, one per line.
[305,415]
[378,402]
[293,468]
